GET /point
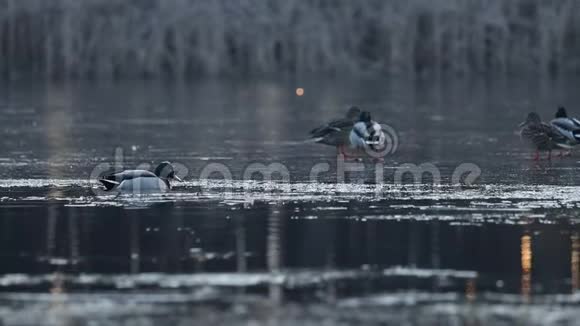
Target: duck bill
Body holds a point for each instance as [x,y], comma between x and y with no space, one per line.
[177,178]
[523,124]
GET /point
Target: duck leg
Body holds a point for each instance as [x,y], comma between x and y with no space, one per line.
[536,156]
[549,158]
[341,151]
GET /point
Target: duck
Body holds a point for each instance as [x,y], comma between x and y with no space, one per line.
[336,132]
[568,127]
[542,136]
[562,117]
[141,181]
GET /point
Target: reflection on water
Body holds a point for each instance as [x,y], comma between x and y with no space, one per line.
[274,252]
[134,246]
[471,290]
[526,266]
[292,250]
[575,261]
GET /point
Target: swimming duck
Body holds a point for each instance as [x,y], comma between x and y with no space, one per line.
[542,136]
[568,127]
[336,132]
[141,181]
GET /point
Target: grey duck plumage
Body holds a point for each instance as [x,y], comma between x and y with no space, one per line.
[141,181]
[542,136]
[567,126]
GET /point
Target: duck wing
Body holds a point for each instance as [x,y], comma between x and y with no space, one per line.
[542,136]
[560,137]
[131,174]
[567,129]
[331,127]
[112,180]
[565,124]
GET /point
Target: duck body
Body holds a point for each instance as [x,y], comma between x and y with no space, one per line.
[352,135]
[358,135]
[367,135]
[141,181]
[566,123]
[567,126]
[136,181]
[542,136]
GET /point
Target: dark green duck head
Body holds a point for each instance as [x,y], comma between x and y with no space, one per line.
[561,113]
[166,171]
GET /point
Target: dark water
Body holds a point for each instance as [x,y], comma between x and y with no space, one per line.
[503,249]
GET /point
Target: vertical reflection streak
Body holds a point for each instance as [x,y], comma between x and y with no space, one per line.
[331,288]
[241,259]
[74,239]
[435,247]
[413,245]
[51,233]
[575,262]
[470,290]
[526,260]
[241,263]
[135,248]
[274,254]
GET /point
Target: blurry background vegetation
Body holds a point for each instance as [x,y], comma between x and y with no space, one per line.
[182,39]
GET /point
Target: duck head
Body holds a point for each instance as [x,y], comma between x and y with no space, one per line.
[532,119]
[165,171]
[353,113]
[365,116]
[561,113]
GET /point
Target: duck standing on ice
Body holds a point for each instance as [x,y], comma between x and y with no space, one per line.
[351,135]
[542,136]
[567,126]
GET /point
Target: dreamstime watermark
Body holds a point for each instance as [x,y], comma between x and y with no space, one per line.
[386,142]
[275,176]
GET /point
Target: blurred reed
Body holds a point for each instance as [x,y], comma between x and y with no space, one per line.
[193,38]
